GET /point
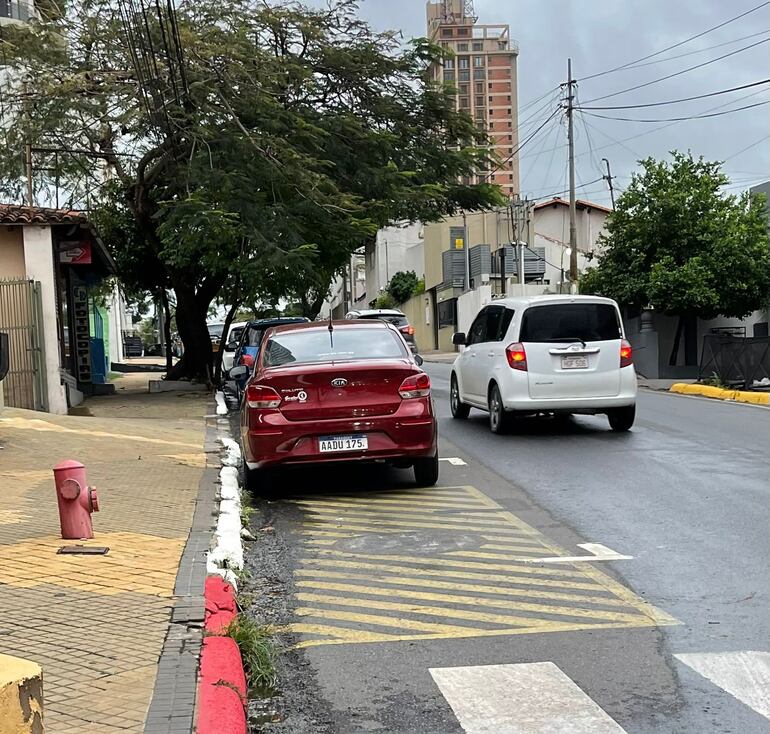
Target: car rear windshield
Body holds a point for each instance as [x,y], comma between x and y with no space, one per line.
[391,319]
[346,344]
[588,322]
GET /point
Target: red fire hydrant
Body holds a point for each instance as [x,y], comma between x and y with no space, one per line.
[76,500]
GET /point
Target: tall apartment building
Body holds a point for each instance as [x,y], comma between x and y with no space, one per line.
[483,71]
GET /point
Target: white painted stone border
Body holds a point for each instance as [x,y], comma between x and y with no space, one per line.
[221,405]
[225,558]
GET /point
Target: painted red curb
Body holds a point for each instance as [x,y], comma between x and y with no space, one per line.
[222,681]
[220,605]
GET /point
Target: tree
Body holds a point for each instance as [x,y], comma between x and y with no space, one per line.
[677,243]
[226,138]
[402,286]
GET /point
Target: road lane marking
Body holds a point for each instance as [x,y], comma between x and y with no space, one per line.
[499,584]
[528,698]
[745,675]
[454,461]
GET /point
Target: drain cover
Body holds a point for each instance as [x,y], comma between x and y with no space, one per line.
[83,550]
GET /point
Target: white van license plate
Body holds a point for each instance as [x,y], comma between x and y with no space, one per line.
[574,363]
[338,444]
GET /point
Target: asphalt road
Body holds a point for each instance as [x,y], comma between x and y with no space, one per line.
[380,591]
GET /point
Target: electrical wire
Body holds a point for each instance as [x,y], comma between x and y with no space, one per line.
[674,101]
[679,73]
[676,45]
[679,119]
[748,147]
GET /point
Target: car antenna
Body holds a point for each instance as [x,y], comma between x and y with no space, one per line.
[331,332]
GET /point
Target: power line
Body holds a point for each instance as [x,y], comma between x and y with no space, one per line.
[676,45]
[679,119]
[679,73]
[675,101]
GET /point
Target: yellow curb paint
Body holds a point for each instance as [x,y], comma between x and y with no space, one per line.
[21,696]
[718,393]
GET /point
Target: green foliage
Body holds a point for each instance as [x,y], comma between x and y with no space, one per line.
[258,652]
[402,286]
[385,300]
[676,242]
[292,136]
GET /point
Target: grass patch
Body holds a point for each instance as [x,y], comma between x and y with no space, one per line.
[247,509]
[258,652]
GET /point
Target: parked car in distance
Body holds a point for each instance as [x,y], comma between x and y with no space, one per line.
[215,334]
[247,348]
[231,344]
[547,354]
[391,316]
[339,391]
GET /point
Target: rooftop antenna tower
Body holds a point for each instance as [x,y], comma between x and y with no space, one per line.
[469,11]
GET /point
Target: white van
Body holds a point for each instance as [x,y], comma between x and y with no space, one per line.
[545,354]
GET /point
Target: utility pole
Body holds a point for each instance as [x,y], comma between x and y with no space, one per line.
[608,179]
[466,254]
[573,260]
[28,150]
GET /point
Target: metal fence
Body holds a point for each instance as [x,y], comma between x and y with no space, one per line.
[734,360]
[21,317]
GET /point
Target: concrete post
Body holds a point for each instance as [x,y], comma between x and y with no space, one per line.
[21,696]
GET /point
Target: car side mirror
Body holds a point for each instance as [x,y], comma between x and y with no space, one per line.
[239,371]
[231,346]
[419,361]
[459,339]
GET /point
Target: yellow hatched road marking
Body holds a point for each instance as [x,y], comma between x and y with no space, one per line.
[457,586]
[377,525]
[383,621]
[422,506]
[522,580]
[562,611]
[532,551]
[450,521]
[342,634]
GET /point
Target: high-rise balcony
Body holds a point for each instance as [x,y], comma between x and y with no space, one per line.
[16,10]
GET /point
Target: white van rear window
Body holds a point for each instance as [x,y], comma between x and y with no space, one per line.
[564,322]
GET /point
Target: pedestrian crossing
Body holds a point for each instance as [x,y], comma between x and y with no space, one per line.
[539,698]
[439,564]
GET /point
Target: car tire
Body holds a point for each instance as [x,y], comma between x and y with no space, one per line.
[499,417]
[621,419]
[459,409]
[426,471]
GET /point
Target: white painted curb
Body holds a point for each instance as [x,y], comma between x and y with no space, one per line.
[226,555]
[221,404]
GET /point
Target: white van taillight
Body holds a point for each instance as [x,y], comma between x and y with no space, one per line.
[262,397]
[415,386]
[517,357]
[626,354]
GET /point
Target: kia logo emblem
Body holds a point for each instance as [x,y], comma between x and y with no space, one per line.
[339,382]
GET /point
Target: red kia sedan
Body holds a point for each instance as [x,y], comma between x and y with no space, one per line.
[338,391]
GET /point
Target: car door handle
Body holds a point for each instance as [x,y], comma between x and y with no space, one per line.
[490,354]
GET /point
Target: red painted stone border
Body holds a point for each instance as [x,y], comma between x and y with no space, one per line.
[222,682]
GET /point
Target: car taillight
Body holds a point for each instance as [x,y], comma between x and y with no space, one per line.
[626,354]
[415,386]
[517,357]
[247,360]
[407,330]
[262,397]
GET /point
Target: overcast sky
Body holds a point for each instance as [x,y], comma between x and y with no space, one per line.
[602,35]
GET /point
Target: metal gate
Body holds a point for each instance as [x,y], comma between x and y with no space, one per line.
[21,317]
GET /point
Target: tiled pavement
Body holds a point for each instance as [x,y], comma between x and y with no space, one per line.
[97,624]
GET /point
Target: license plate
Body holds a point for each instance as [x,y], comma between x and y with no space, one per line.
[574,363]
[338,444]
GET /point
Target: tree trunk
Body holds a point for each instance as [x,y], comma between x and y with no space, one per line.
[167,330]
[672,360]
[222,344]
[191,313]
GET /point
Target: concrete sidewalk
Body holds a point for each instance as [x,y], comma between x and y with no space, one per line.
[97,624]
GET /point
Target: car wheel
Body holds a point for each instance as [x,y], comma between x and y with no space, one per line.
[499,418]
[426,471]
[459,409]
[621,419]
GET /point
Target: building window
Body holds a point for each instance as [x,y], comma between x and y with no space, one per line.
[479,88]
[463,62]
[509,110]
[463,90]
[446,32]
[479,101]
[462,46]
[491,99]
[510,137]
[510,178]
[464,75]
[478,45]
[509,97]
[509,124]
[449,63]
[465,103]
[449,76]
[479,73]
[478,61]
[463,31]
